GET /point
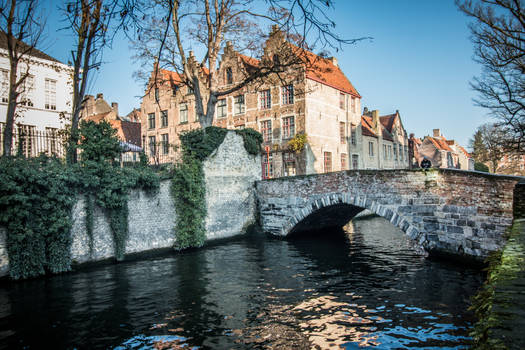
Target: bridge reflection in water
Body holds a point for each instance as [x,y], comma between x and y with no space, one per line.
[363,286]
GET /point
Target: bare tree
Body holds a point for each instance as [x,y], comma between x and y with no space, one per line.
[175,32]
[20,33]
[498,34]
[489,142]
[94,23]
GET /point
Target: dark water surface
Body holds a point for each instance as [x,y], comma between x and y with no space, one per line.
[361,287]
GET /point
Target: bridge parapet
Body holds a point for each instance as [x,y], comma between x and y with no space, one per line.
[444,211]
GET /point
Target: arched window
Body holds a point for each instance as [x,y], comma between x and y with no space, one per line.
[229,75]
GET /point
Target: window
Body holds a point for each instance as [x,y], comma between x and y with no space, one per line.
[190,90]
[401,152]
[265,99]
[355,161]
[371,149]
[406,152]
[267,166]
[163,119]
[238,104]
[288,127]
[353,134]
[221,108]
[342,132]
[27,97]
[229,75]
[343,161]
[165,144]
[152,146]
[157,97]
[174,89]
[151,121]
[4,85]
[384,151]
[266,131]
[183,113]
[327,162]
[52,141]
[26,139]
[342,100]
[353,104]
[389,151]
[51,94]
[287,93]
[289,164]
[395,151]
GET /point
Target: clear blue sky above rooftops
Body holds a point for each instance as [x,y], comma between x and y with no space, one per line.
[418,62]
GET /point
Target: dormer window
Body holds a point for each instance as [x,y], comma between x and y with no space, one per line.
[229,75]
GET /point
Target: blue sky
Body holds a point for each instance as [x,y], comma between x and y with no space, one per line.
[419,62]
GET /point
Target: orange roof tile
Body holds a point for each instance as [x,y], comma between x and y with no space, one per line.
[249,60]
[440,144]
[325,72]
[366,126]
[464,151]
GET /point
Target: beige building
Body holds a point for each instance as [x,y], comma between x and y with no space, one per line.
[381,142]
[314,98]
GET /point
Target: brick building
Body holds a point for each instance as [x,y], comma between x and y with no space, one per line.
[441,152]
[314,98]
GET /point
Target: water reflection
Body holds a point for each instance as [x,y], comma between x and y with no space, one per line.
[365,286]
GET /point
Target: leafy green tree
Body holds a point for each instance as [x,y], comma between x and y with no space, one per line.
[479,150]
[478,166]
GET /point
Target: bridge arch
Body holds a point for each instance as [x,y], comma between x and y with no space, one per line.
[337,209]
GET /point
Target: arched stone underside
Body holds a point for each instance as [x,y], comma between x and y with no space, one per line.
[443,211]
[337,209]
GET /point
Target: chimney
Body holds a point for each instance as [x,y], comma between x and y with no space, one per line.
[436,132]
[375,119]
[365,111]
[411,135]
[100,96]
[114,107]
[334,61]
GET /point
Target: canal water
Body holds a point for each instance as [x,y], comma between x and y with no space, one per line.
[360,287]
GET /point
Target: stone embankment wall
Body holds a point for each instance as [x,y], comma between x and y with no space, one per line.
[445,211]
[230,175]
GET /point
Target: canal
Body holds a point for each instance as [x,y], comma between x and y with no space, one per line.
[362,286]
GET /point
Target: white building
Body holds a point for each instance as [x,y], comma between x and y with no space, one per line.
[47,94]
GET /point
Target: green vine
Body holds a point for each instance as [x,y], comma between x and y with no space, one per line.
[188,187]
[37,196]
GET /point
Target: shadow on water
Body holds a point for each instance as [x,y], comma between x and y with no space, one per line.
[364,285]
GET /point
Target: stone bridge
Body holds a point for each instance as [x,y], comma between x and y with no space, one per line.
[445,211]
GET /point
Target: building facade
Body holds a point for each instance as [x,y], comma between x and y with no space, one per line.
[442,153]
[46,95]
[313,99]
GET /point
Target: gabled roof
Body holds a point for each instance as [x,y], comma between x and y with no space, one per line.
[366,126]
[250,61]
[388,121]
[324,71]
[127,131]
[439,143]
[33,51]
[464,151]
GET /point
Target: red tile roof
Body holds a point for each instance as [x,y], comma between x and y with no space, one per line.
[127,131]
[440,143]
[464,151]
[366,126]
[325,72]
[388,121]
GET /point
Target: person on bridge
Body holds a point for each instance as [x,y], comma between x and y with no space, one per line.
[425,163]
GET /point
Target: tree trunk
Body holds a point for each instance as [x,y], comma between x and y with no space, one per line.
[11,110]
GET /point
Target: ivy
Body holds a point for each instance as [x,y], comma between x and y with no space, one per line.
[188,187]
[37,196]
